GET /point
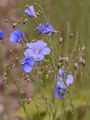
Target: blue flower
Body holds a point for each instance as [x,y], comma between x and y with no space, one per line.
[60,76]
[37,50]
[29,11]
[66,79]
[40,29]
[63,81]
[60,91]
[60,72]
[1,35]
[48,29]
[16,36]
[69,79]
[27,64]
[45,29]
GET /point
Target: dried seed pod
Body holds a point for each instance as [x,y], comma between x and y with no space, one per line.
[71,35]
[60,40]
[66,59]
[75,66]
[37,13]
[82,61]
[14,25]
[61,59]
[25,21]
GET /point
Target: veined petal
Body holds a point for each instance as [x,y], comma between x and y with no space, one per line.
[45,51]
[27,64]
[38,57]
[31,45]
[26,68]
[28,53]
[40,28]
[16,36]
[39,44]
[13,38]
[48,29]
[30,11]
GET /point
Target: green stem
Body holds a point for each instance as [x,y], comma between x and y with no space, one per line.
[71,103]
[45,17]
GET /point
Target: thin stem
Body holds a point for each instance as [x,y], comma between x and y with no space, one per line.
[71,103]
[42,11]
[64,113]
[35,21]
[19,94]
[20,97]
[18,22]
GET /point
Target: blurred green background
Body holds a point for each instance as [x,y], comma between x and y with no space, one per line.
[77,14]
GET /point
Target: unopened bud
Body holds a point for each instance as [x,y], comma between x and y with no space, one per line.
[71,35]
[81,61]
[25,21]
[60,40]
[37,13]
[75,66]
[14,25]
[66,59]
[61,59]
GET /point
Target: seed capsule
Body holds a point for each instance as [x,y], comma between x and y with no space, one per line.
[75,66]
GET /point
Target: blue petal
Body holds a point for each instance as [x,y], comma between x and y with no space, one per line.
[16,36]
[28,60]
[26,68]
[48,29]
[69,80]
[30,11]
[40,28]
[57,92]
[28,53]
[61,84]
[27,64]
[38,57]
[13,38]
[31,45]
[1,35]
[60,73]
[45,51]
[39,44]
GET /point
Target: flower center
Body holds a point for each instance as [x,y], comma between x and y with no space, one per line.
[36,51]
[62,91]
[61,78]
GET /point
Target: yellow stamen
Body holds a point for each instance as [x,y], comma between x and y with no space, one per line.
[37,51]
[61,91]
